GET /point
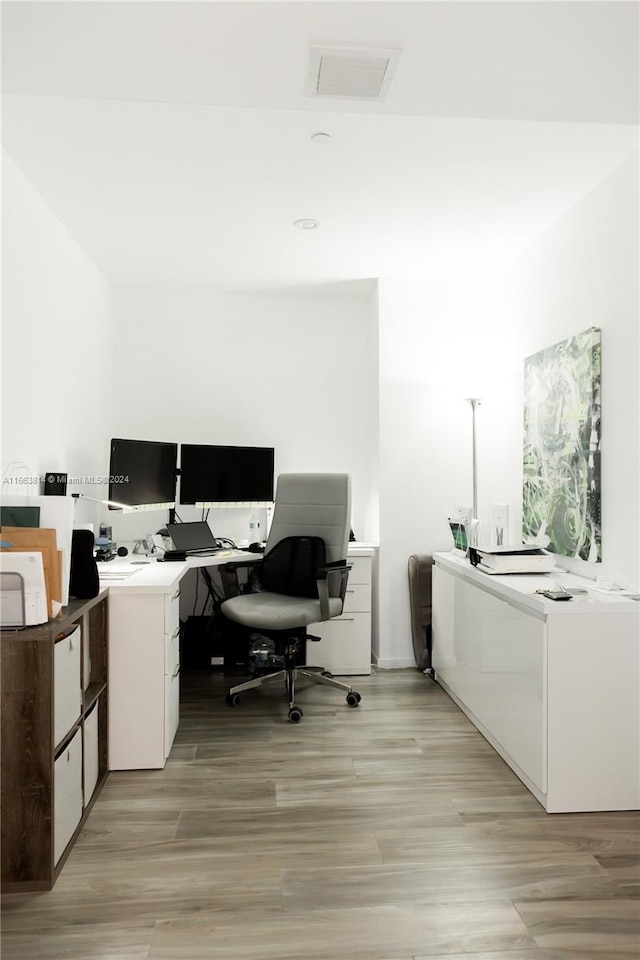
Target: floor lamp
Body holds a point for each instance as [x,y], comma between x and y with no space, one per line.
[475,403]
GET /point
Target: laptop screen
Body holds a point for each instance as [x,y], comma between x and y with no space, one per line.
[459,534]
[192,536]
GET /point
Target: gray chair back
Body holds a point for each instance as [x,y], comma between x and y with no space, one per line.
[313,505]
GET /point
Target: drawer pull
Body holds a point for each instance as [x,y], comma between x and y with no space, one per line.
[345,619]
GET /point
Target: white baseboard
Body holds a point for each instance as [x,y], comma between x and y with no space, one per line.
[389,663]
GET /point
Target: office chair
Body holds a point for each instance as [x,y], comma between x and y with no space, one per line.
[303,577]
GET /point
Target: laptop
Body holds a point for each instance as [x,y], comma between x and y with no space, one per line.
[194,539]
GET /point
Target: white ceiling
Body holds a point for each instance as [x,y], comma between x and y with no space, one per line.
[173,139]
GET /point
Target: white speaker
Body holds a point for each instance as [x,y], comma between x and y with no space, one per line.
[499,524]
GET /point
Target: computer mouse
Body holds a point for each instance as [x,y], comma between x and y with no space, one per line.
[256,548]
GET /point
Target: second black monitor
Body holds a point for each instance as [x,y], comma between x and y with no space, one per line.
[220,474]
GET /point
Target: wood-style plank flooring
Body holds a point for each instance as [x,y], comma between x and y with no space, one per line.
[391,831]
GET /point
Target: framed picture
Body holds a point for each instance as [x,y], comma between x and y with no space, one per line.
[561,478]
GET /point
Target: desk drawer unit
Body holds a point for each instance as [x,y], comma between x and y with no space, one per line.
[172,632]
[345,647]
[144,678]
[172,669]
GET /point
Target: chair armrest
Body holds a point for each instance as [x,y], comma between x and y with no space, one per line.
[324,575]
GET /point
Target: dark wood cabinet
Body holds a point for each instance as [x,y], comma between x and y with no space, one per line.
[54,717]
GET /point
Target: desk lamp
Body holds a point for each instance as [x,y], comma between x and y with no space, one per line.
[109,503]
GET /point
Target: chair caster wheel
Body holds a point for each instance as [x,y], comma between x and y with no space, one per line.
[295,715]
[326,673]
[353,698]
[233,699]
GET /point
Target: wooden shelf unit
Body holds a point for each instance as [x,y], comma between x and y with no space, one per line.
[33,767]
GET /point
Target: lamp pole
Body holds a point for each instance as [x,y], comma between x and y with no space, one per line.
[475,402]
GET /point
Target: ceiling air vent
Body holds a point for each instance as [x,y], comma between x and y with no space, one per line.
[351,73]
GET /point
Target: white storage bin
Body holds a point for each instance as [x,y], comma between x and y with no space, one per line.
[67,687]
[67,807]
[90,753]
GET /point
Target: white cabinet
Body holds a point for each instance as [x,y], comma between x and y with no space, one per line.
[492,658]
[553,687]
[345,645]
[144,668]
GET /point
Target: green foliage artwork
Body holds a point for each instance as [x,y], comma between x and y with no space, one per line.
[561,495]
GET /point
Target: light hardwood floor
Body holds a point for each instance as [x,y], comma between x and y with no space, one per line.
[391,831]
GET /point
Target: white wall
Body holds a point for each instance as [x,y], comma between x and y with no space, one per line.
[442,342]
[284,368]
[584,273]
[56,347]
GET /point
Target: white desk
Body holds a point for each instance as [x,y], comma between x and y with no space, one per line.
[553,686]
[144,647]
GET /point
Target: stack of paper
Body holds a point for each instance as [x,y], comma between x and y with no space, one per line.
[55,513]
[43,540]
[516,559]
[117,573]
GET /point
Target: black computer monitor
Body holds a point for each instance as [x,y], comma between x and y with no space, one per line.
[143,473]
[220,474]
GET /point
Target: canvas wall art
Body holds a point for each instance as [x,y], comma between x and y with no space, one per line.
[561,495]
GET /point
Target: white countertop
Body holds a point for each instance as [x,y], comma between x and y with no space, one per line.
[521,588]
[147,575]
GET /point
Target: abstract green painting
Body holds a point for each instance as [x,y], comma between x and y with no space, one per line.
[561,481]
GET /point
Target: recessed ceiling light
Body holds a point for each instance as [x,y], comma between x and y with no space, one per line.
[306,224]
[321,137]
